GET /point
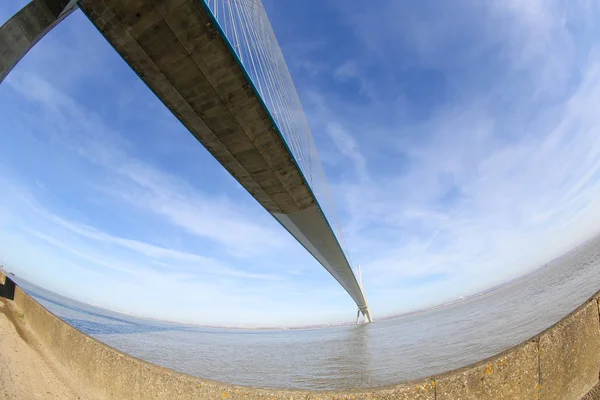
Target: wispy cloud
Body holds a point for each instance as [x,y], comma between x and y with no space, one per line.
[347,146]
[214,217]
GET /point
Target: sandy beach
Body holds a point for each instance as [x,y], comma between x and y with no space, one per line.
[27,370]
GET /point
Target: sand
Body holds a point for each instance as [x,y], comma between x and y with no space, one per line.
[27,370]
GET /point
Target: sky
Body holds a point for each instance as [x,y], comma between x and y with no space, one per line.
[460,139]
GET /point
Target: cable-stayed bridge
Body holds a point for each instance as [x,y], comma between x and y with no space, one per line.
[217,66]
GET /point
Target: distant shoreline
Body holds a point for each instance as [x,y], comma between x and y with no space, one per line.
[305,327]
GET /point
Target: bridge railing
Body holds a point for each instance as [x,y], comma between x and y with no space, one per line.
[250,34]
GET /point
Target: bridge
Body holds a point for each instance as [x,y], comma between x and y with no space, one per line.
[217,66]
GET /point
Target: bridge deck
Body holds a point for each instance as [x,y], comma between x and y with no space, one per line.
[179,51]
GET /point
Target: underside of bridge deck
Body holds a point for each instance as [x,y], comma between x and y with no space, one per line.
[177,48]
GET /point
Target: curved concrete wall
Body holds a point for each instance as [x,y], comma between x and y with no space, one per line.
[562,362]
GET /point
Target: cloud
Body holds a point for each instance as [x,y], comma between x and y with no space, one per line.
[197,262]
[83,239]
[348,147]
[215,218]
[208,216]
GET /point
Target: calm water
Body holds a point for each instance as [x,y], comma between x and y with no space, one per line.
[381,353]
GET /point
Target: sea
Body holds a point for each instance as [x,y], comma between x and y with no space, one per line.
[383,353]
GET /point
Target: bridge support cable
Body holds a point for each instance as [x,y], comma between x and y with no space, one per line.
[246,26]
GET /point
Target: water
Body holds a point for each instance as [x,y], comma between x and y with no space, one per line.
[382,353]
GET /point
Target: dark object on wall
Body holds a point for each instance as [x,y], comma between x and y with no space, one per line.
[8,289]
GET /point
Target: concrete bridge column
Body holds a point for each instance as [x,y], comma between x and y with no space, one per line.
[367,314]
[27,27]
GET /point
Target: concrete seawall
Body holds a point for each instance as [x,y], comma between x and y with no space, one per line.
[562,362]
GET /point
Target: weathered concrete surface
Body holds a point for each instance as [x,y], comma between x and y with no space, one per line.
[20,33]
[570,355]
[511,375]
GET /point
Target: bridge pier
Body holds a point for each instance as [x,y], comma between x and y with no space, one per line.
[366,314]
[20,33]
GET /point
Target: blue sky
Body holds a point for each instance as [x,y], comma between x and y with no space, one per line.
[460,140]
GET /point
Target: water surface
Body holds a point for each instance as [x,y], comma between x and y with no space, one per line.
[382,353]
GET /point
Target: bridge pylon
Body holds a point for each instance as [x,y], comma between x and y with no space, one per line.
[364,309]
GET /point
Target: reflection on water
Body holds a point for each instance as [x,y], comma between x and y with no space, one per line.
[377,354]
